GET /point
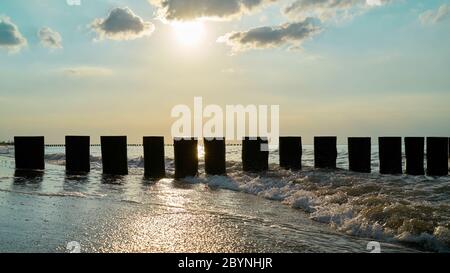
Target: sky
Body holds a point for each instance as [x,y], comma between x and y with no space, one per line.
[335,67]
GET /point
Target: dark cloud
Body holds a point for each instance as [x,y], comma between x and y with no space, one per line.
[267,37]
[10,37]
[122,24]
[50,38]
[213,9]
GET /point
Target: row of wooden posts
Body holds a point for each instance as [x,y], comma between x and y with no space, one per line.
[29,155]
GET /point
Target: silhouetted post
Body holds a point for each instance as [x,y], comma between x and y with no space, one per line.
[255,154]
[29,153]
[215,156]
[437,156]
[186,157]
[390,152]
[114,155]
[325,152]
[359,154]
[414,152]
[290,151]
[154,157]
[78,154]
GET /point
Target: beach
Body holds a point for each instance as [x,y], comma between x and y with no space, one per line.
[278,211]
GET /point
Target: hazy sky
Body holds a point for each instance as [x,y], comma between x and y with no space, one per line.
[340,67]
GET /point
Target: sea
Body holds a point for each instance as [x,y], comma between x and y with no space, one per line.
[305,211]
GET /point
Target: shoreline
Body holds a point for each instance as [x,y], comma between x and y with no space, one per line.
[332,209]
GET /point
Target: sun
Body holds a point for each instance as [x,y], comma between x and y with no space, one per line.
[189,33]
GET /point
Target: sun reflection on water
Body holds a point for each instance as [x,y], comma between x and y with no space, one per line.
[200,151]
[170,224]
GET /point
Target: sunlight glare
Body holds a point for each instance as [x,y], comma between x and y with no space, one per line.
[189,33]
[200,151]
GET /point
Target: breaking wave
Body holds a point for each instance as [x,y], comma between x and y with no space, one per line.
[412,210]
[409,210]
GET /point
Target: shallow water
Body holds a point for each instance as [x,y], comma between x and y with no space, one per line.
[279,211]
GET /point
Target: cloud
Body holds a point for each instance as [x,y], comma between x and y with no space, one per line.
[87,71]
[435,16]
[268,37]
[329,9]
[185,10]
[50,38]
[10,37]
[122,24]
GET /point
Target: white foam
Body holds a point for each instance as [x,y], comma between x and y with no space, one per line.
[355,204]
[384,207]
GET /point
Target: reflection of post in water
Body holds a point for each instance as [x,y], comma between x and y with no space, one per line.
[148,181]
[113,182]
[113,179]
[75,182]
[31,179]
[30,175]
[80,178]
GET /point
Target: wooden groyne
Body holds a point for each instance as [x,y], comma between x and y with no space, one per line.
[29,154]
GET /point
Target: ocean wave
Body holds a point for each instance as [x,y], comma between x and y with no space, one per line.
[57,194]
[395,208]
[386,208]
[57,159]
[96,161]
[5,150]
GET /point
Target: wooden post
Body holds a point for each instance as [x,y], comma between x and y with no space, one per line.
[215,163]
[325,152]
[437,156]
[290,151]
[414,152]
[186,157]
[78,157]
[154,157]
[29,153]
[255,154]
[390,152]
[359,154]
[114,155]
